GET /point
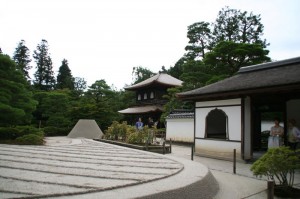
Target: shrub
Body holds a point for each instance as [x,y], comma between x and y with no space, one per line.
[11,133]
[8,133]
[279,163]
[25,130]
[56,131]
[138,137]
[119,130]
[30,139]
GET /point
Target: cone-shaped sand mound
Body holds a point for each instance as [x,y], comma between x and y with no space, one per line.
[86,129]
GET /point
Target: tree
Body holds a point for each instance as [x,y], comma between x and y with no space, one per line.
[100,103]
[177,70]
[237,26]
[199,35]
[53,108]
[278,163]
[233,41]
[140,74]
[79,86]
[195,74]
[44,75]
[227,57]
[16,102]
[99,91]
[64,77]
[22,58]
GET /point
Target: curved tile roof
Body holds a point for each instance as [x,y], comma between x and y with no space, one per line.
[252,79]
[160,78]
[142,109]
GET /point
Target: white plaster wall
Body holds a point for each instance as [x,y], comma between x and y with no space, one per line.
[181,129]
[293,110]
[217,149]
[233,113]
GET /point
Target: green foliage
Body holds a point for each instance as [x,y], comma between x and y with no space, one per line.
[239,27]
[30,139]
[25,130]
[199,35]
[228,57]
[119,131]
[139,136]
[56,131]
[217,50]
[140,74]
[278,163]
[64,77]
[53,108]
[9,133]
[44,75]
[12,133]
[16,103]
[79,87]
[22,58]
[127,133]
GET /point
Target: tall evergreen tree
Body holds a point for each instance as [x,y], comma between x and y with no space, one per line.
[199,35]
[239,27]
[22,58]
[44,75]
[64,77]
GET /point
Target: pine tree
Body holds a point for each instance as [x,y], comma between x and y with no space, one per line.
[44,75]
[22,58]
[16,102]
[64,77]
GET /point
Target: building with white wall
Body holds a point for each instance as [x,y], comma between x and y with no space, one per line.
[180,126]
[229,113]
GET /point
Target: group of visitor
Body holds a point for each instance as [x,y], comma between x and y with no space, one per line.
[139,124]
[277,133]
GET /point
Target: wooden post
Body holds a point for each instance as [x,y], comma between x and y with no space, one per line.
[234,161]
[170,145]
[270,189]
[192,152]
[164,147]
[147,143]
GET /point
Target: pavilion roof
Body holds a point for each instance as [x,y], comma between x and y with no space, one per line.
[142,109]
[161,78]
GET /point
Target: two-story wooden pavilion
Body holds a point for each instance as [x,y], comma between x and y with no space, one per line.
[149,97]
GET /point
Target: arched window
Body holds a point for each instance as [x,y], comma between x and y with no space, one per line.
[139,97]
[216,124]
[152,95]
[145,96]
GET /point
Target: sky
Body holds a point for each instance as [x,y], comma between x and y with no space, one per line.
[105,39]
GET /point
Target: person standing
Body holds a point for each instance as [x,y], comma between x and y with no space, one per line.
[150,122]
[139,124]
[276,134]
[293,134]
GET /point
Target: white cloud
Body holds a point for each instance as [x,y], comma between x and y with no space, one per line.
[106,39]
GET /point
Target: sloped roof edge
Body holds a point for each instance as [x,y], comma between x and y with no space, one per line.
[269,76]
[141,109]
[160,78]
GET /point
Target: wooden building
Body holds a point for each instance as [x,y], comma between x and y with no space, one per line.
[149,97]
[229,113]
